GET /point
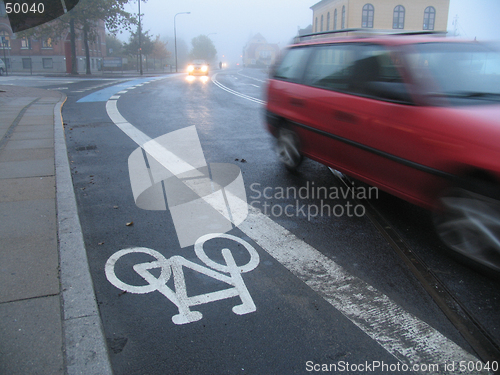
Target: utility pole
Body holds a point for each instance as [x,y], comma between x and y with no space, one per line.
[140,37]
[175,38]
[455,24]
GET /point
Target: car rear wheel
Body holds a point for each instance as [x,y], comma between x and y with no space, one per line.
[469,223]
[287,148]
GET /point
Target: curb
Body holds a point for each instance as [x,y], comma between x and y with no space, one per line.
[85,349]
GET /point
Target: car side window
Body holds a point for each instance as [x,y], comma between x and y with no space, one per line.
[329,67]
[292,65]
[359,69]
[375,73]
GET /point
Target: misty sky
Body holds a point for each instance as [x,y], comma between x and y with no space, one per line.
[230,23]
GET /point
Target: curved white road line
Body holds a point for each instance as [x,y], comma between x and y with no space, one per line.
[410,340]
[220,85]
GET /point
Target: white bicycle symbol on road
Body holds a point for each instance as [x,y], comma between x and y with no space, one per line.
[173,266]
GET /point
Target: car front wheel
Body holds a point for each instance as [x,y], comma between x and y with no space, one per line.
[1,71]
[469,223]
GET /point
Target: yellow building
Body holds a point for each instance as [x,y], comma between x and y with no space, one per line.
[396,15]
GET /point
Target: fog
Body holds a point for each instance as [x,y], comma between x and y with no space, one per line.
[231,23]
[228,23]
[476,19]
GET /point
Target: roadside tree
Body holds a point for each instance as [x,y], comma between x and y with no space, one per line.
[203,48]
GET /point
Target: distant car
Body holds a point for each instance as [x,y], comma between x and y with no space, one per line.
[2,67]
[416,116]
[198,67]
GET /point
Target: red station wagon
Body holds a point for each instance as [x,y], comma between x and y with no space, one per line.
[416,116]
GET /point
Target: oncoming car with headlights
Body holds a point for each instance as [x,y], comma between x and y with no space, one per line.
[198,67]
[415,115]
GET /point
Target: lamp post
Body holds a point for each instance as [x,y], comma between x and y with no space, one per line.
[175,38]
[140,37]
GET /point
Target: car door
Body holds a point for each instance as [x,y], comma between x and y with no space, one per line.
[362,105]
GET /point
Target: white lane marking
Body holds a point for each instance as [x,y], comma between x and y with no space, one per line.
[58,88]
[407,338]
[256,79]
[218,84]
[166,158]
[175,265]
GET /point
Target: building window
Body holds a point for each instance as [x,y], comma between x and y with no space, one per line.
[398,18]
[328,22]
[47,63]
[343,18]
[25,43]
[26,63]
[47,43]
[4,40]
[316,25]
[321,26]
[367,16]
[335,20]
[429,17]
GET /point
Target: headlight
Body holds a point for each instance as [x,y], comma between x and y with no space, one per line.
[190,68]
[204,68]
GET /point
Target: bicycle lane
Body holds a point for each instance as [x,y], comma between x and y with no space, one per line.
[280,326]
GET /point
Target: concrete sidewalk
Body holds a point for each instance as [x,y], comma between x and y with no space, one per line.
[49,321]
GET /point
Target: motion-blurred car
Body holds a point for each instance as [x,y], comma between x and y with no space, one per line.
[416,116]
[198,67]
[2,67]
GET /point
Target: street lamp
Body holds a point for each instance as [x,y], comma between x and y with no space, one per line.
[175,38]
[140,32]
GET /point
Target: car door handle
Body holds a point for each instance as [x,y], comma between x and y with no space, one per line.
[297,102]
[345,117]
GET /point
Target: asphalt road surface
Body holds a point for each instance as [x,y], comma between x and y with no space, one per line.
[304,282]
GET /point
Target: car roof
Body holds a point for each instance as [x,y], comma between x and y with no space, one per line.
[358,36]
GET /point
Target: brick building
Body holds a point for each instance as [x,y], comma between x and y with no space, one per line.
[48,55]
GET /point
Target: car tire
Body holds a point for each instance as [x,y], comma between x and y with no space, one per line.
[1,71]
[468,222]
[288,149]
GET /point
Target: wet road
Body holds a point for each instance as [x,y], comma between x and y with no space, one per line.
[325,288]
